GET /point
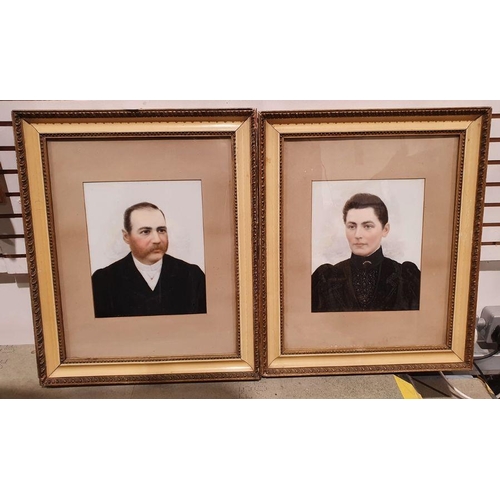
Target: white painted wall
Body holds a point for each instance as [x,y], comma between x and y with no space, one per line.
[15,306]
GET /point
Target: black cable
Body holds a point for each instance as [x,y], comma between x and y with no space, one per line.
[480,372]
[489,355]
[494,337]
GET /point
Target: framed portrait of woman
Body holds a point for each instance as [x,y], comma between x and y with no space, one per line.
[371,232]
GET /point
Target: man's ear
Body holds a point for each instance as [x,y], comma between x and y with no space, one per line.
[125,236]
[386,230]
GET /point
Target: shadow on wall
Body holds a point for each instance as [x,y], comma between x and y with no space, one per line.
[12,247]
[6,225]
[20,279]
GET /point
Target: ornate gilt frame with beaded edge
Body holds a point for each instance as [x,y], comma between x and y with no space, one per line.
[78,171]
[326,308]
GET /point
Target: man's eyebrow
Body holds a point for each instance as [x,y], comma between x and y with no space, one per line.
[150,227]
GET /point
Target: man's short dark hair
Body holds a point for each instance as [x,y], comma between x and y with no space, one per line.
[367,200]
[138,206]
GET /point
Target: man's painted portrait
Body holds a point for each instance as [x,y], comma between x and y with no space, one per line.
[146,248]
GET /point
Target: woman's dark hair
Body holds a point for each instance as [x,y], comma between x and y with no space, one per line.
[367,200]
[138,206]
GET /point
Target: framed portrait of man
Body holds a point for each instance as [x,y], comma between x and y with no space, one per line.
[142,264]
[141,244]
[372,227]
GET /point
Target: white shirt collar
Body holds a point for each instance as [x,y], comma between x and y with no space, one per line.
[151,274]
[145,268]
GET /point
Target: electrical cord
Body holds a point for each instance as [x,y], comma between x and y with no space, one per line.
[481,374]
[494,337]
[489,355]
[454,390]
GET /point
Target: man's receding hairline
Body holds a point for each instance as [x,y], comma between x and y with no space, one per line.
[149,209]
[130,211]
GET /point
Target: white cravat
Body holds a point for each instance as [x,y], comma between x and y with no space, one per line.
[151,274]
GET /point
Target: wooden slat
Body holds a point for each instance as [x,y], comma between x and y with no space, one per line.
[13,255]
[11,216]
[492,184]
[9,194]
[11,236]
[5,124]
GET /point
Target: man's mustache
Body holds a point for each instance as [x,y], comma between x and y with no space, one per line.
[156,246]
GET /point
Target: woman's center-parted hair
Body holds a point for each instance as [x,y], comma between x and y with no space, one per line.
[127,225]
[367,200]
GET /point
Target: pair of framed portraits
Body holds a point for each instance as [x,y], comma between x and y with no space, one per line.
[203,245]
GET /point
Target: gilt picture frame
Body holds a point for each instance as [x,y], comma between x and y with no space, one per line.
[193,176]
[326,307]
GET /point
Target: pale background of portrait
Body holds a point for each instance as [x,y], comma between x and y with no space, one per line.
[404,199]
[180,201]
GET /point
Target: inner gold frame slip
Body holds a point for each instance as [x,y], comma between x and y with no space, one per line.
[78,171]
[430,168]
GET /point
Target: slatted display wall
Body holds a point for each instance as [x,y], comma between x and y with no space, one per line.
[490,245]
[12,244]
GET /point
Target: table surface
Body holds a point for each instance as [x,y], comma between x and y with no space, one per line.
[18,379]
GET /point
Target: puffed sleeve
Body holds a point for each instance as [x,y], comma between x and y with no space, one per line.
[411,285]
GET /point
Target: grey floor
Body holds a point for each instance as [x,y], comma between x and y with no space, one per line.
[19,380]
